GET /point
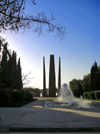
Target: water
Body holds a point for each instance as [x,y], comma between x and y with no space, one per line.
[66,99]
[65,95]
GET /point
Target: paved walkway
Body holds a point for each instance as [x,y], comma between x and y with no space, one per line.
[33,117]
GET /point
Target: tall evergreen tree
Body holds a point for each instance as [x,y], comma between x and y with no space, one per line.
[14,73]
[19,77]
[3,83]
[9,73]
[94,77]
[10,70]
[98,76]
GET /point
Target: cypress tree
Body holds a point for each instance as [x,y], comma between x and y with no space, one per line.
[19,77]
[9,73]
[14,77]
[94,77]
[4,70]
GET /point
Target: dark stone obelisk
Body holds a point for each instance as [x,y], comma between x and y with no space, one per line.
[59,74]
[52,88]
[44,78]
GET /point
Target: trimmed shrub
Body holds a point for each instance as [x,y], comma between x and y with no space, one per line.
[22,95]
[4,97]
[29,96]
[97,95]
[93,95]
[14,98]
[34,91]
[86,95]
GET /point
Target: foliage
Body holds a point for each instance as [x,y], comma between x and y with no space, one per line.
[97,95]
[89,84]
[3,45]
[10,71]
[34,91]
[10,98]
[4,97]
[76,87]
[86,83]
[93,95]
[13,18]
[95,77]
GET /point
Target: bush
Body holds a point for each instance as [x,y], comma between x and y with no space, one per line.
[34,91]
[93,95]
[97,95]
[21,96]
[86,95]
[4,97]
[29,96]
[14,98]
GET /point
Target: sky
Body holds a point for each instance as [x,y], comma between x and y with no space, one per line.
[79,49]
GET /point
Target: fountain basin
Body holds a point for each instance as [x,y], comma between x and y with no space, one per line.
[86,104]
[66,99]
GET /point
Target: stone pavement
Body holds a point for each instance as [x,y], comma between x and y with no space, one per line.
[34,118]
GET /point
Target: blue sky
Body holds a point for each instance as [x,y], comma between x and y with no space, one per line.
[78,50]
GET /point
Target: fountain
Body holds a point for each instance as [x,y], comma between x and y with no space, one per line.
[65,99]
[66,96]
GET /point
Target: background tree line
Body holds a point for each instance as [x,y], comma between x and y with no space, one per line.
[90,82]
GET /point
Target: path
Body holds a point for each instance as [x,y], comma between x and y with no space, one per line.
[33,117]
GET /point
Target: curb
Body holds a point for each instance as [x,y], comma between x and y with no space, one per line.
[31,129]
[4,129]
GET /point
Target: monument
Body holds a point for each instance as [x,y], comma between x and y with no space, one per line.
[44,78]
[59,75]
[52,87]
[52,84]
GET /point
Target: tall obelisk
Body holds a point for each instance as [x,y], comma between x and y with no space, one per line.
[59,75]
[52,87]
[44,79]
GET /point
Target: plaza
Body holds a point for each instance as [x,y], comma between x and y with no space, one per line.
[33,117]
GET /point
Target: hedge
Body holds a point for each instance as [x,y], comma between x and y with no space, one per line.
[93,95]
[14,98]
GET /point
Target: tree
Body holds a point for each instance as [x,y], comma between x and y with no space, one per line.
[95,77]
[14,72]
[98,76]
[76,87]
[10,71]
[19,77]
[13,18]
[3,65]
[3,45]
[86,83]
